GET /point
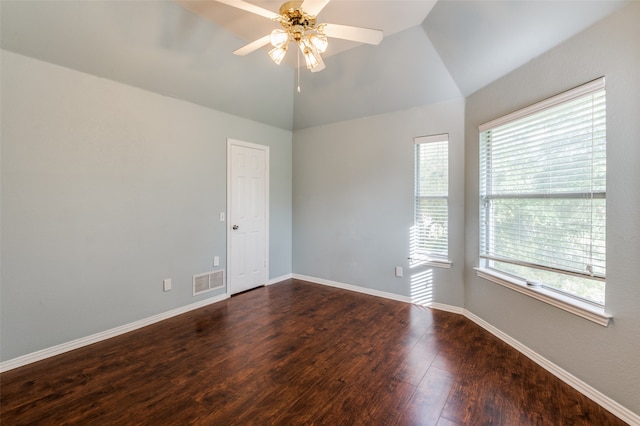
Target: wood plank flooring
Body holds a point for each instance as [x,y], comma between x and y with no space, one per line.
[297,353]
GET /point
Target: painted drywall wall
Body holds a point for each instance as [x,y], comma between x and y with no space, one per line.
[605,358]
[353,202]
[107,190]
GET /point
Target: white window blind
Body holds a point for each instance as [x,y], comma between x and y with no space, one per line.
[431,229]
[543,193]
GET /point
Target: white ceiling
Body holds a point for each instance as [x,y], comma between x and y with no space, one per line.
[430,53]
[483,40]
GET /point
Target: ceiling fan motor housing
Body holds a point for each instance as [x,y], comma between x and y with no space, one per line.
[296,21]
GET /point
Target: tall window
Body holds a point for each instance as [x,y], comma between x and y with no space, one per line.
[431,229]
[543,193]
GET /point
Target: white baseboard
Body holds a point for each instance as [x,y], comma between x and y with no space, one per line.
[587,390]
[104,335]
[279,279]
[355,288]
[447,308]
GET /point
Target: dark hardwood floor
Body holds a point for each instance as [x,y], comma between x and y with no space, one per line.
[297,353]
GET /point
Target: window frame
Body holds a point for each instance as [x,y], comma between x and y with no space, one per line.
[567,301]
[417,255]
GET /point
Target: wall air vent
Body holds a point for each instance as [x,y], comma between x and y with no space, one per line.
[207,282]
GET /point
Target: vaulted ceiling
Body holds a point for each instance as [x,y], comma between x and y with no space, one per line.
[432,51]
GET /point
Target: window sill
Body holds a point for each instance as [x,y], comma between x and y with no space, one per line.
[576,307]
[429,261]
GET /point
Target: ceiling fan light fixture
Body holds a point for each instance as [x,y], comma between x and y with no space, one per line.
[277,54]
[319,41]
[311,56]
[279,38]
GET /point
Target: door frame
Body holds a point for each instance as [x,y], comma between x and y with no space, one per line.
[231,142]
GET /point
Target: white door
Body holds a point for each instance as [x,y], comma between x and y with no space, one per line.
[247,220]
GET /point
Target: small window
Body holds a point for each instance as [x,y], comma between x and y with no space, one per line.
[543,194]
[431,220]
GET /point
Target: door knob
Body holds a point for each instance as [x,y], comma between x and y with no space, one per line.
[235,227]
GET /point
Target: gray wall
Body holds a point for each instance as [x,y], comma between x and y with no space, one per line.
[106,190]
[353,200]
[606,358]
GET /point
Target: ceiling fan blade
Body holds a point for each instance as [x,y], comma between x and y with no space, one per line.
[248,7]
[346,32]
[313,7]
[253,46]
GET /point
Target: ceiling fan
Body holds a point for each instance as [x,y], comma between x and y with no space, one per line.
[298,21]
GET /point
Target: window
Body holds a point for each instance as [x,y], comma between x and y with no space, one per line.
[431,231]
[543,194]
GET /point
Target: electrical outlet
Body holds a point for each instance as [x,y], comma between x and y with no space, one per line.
[398,271]
[216,260]
[166,284]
